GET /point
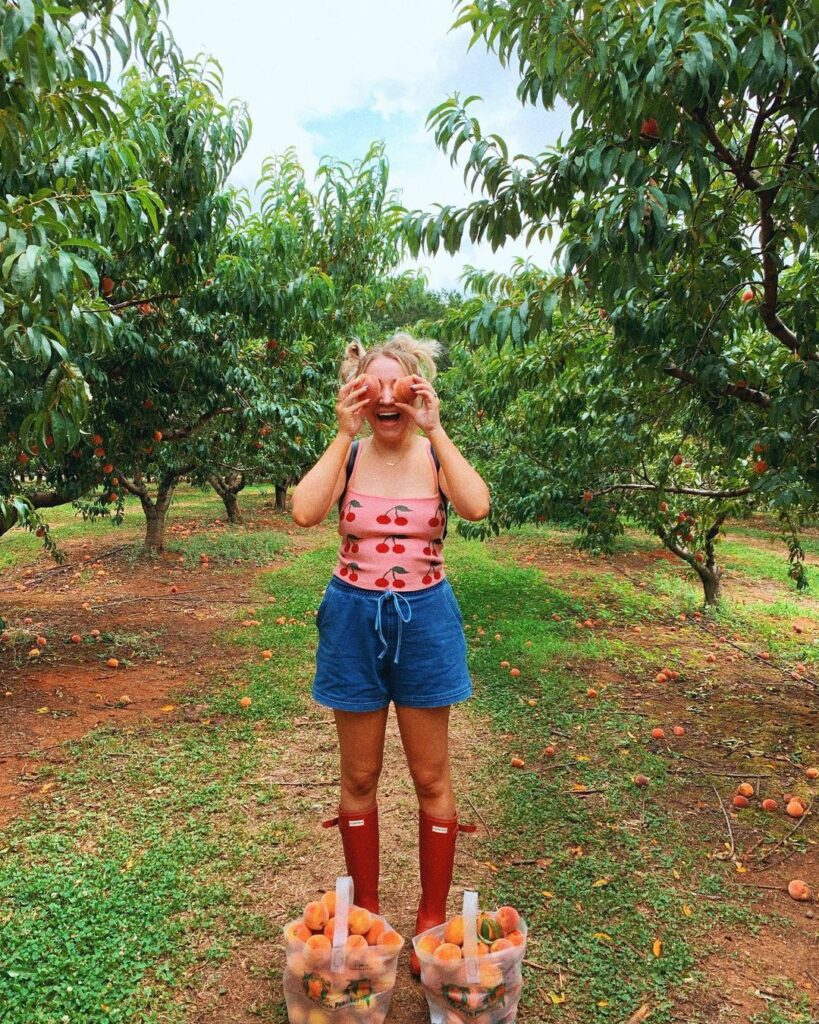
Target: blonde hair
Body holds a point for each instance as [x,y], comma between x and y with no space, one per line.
[414,355]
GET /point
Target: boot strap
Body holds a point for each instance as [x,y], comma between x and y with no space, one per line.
[464,826]
[330,823]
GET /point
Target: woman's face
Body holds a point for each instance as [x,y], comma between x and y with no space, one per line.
[387,421]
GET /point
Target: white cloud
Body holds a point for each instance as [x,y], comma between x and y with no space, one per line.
[349,72]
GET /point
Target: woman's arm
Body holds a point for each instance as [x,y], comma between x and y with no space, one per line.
[316,493]
[319,489]
[463,485]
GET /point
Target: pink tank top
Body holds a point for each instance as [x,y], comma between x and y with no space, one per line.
[390,542]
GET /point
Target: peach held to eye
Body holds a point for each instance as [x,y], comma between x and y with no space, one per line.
[402,389]
[373,388]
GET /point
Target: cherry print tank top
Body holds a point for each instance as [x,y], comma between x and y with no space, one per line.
[390,542]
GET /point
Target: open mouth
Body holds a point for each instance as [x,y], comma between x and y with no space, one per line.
[388,417]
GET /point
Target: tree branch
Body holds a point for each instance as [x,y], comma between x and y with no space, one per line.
[752,395]
[182,432]
[735,492]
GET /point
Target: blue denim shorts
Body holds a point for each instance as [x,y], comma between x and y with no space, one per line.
[380,646]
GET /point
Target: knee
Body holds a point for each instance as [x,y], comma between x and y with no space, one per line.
[360,781]
[431,784]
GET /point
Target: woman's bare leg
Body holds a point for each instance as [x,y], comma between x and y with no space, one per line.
[361,747]
[425,736]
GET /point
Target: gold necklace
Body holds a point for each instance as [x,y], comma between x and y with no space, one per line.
[396,462]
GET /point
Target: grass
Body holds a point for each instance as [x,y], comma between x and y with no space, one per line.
[618,875]
[22,548]
[140,869]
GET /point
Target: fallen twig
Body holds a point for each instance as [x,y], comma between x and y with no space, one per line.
[727,820]
[475,809]
[785,838]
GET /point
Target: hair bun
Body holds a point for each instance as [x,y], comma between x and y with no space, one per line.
[351,361]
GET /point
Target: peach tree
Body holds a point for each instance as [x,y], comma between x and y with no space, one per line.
[684,198]
[72,183]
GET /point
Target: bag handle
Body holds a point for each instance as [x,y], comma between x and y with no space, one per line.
[344,897]
[471,936]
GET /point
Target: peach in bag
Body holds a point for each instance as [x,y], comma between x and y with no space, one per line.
[341,961]
[471,965]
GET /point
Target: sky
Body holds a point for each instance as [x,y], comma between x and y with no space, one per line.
[330,76]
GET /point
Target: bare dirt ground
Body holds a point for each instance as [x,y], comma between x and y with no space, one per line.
[740,716]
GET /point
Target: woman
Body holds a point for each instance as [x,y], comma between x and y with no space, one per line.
[389,625]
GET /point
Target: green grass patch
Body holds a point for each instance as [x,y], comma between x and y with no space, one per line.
[142,865]
[610,874]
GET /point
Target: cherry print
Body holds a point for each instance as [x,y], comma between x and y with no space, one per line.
[382,582]
[426,579]
[382,548]
[401,520]
[383,519]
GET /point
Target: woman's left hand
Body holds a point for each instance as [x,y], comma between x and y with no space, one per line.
[428,415]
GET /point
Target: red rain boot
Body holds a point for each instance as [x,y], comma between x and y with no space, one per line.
[359,837]
[436,854]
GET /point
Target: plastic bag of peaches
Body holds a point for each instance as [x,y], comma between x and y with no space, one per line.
[341,962]
[470,966]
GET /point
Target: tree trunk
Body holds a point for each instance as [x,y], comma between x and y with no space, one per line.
[228,488]
[281,497]
[709,572]
[156,512]
[155,530]
[711,579]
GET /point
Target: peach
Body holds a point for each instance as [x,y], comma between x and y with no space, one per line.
[640,780]
[517,762]
[504,664]
[373,384]
[428,944]
[678,730]
[549,751]
[316,945]
[360,920]
[514,672]
[795,808]
[376,931]
[402,390]
[799,890]
[356,941]
[330,929]
[591,692]
[517,938]
[740,801]
[315,916]
[454,931]
[769,805]
[390,938]
[490,974]
[658,734]
[297,931]
[745,789]
[500,944]
[661,677]
[447,951]
[76,638]
[508,918]
[245,702]
[812,773]
[329,901]
[483,949]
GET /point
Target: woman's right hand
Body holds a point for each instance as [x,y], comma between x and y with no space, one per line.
[350,406]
